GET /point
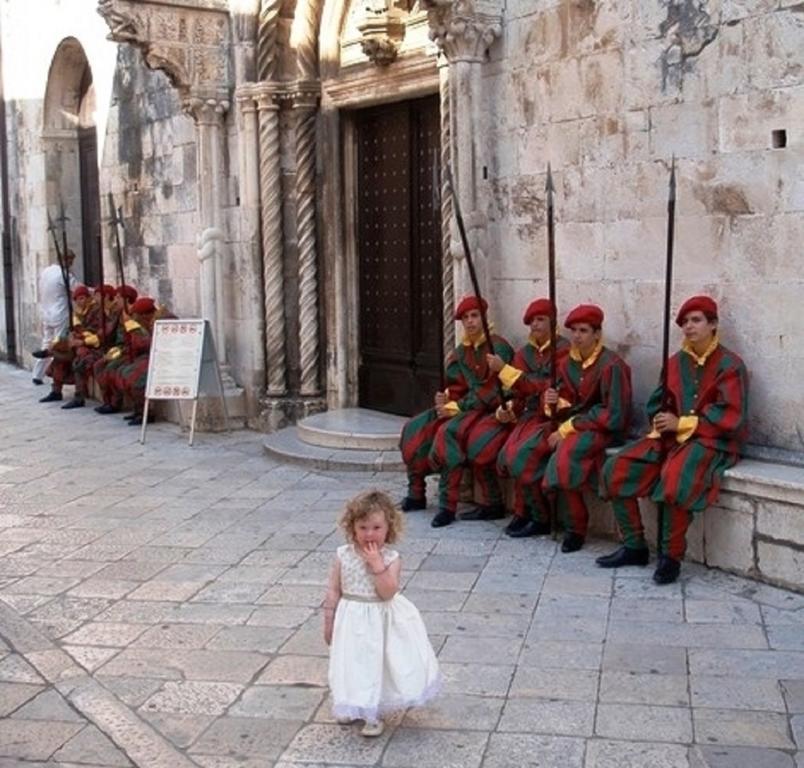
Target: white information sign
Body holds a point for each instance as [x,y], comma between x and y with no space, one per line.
[176,352]
[182,366]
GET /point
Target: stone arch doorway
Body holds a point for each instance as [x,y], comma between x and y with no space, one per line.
[70,145]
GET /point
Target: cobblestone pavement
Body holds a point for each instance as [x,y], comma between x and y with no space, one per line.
[159,606]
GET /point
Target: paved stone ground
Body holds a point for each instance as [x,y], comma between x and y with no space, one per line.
[159,606]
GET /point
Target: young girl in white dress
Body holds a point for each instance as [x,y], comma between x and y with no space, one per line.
[380,657]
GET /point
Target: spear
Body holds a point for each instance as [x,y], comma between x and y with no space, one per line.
[551,271]
[667,399]
[551,287]
[456,206]
[51,227]
[116,221]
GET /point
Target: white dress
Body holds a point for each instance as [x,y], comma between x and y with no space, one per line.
[380,659]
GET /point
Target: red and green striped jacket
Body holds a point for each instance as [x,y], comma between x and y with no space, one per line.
[470,382]
[534,363]
[712,398]
[599,396]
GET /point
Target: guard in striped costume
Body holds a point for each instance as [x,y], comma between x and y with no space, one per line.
[437,439]
[593,402]
[523,419]
[680,463]
[90,345]
[132,376]
[62,349]
[105,369]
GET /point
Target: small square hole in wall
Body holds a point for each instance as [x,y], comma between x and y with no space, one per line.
[779,138]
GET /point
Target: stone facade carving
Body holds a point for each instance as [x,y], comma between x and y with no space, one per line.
[464,29]
[383,29]
[190,45]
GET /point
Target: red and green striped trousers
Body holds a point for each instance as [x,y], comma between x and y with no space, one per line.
[571,469]
[683,478]
[524,458]
[486,440]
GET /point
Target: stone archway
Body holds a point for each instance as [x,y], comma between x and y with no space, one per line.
[70,147]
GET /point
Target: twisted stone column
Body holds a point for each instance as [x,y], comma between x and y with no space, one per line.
[266,39]
[447,264]
[272,247]
[308,258]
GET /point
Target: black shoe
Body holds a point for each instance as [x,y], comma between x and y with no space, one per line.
[38,382]
[106,408]
[41,354]
[443,517]
[667,570]
[408,504]
[624,556]
[491,512]
[136,421]
[76,402]
[572,542]
[533,528]
[517,524]
[51,397]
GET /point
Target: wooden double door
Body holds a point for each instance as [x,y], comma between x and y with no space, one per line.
[399,255]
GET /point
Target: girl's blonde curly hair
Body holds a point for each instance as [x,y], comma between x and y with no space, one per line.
[365,504]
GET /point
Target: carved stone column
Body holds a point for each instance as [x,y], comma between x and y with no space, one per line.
[208,113]
[272,243]
[464,30]
[305,105]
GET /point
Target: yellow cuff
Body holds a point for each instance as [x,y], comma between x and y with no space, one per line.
[686,428]
[113,353]
[566,429]
[509,376]
[91,340]
[131,325]
[452,408]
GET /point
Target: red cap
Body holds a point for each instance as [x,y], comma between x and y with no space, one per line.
[468,303]
[585,313]
[143,306]
[539,307]
[79,291]
[106,290]
[703,304]
[127,292]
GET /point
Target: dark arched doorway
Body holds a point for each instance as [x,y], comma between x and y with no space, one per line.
[71,147]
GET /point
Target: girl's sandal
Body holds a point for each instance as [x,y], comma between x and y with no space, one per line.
[373,728]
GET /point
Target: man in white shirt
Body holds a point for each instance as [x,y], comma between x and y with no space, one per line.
[54,308]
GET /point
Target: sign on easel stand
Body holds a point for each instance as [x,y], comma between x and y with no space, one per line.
[182,366]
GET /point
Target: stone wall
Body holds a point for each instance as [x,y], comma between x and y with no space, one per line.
[608,92]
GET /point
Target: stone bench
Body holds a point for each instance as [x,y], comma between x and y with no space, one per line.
[756,529]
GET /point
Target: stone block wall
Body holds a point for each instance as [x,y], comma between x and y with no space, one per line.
[608,92]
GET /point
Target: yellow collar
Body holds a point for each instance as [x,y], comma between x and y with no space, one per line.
[532,341]
[591,360]
[687,347]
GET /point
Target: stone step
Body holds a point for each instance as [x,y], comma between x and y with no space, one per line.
[286,446]
[352,428]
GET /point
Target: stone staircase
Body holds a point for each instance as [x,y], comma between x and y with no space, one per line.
[347,440]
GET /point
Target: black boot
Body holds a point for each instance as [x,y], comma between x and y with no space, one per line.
[51,397]
[517,524]
[443,517]
[409,504]
[572,542]
[624,556]
[106,408]
[485,512]
[76,402]
[41,354]
[38,382]
[667,570]
[532,528]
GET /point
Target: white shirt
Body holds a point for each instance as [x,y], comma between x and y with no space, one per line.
[53,297]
